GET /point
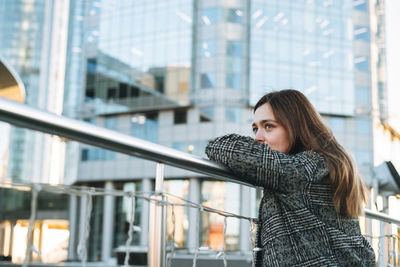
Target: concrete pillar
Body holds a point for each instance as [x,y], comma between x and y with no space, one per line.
[108,224]
[72,227]
[144,217]
[245,203]
[194,196]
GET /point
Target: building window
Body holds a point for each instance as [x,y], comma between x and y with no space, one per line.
[179,188]
[206,114]
[111,93]
[180,116]
[233,80]
[363,157]
[91,65]
[211,16]
[123,211]
[363,126]
[123,90]
[111,122]
[233,15]
[233,114]
[360,5]
[207,80]
[362,95]
[338,125]
[215,194]
[85,155]
[145,126]
[361,33]
[89,93]
[208,48]
[134,91]
[234,48]
[361,63]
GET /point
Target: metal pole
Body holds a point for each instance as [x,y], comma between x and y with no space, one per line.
[108,225]
[381,256]
[245,235]
[156,242]
[193,234]
[144,216]
[72,227]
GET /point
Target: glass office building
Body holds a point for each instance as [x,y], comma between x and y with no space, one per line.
[21,32]
[32,41]
[181,72]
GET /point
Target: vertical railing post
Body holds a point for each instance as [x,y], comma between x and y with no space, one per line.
[72,227]
[381,255]
[108,224]
[394,251]
[144,217]
[194,217]
[156,242]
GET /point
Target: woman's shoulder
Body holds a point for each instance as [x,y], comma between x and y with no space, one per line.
[312,164]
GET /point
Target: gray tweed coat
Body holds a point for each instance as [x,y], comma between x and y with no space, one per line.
[298,225]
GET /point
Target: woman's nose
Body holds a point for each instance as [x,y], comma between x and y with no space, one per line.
[259,136]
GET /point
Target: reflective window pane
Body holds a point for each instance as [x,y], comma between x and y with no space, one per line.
[234,48]
[211,16]
[234,80]
[208,48]
[207,80]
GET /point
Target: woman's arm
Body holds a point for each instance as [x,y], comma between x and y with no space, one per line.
[257,164]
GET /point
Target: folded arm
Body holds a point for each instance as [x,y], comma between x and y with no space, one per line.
[259,165]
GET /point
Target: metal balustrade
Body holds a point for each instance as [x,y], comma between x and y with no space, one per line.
[27,117]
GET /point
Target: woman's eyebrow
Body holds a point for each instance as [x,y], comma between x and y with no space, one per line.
[262,122]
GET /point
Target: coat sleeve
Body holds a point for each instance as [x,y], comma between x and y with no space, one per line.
[259,165]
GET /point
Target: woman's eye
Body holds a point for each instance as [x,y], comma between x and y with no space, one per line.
[255,130]
[268,126]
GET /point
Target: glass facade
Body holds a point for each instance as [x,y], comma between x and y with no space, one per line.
[21,34]
[304,45]
[122,214]
[215,195]
[179,73]
[135,61]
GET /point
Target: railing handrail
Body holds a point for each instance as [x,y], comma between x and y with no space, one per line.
[27,117]
[24,116]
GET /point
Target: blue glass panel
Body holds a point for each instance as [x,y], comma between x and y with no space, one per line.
[363,157]
[207,80]
[111,123]
[363,126]
[337,124]
[234,80]
[144,127]
[234,48]
[233,114]
[208,48]
[179,146]
[361,33]
[207,113]
[361,63]
[85,154]
[211,16]
[360,5]
[233,15]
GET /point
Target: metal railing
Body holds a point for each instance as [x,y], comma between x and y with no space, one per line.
[27,117]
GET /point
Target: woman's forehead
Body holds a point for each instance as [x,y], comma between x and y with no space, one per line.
[263,112]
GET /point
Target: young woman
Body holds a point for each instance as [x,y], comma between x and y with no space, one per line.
[313,194]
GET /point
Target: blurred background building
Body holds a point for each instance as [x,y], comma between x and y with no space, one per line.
[179,73]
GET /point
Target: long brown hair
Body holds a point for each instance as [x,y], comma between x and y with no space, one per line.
[307,131]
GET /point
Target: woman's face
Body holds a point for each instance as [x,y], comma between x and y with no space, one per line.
[268,131]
